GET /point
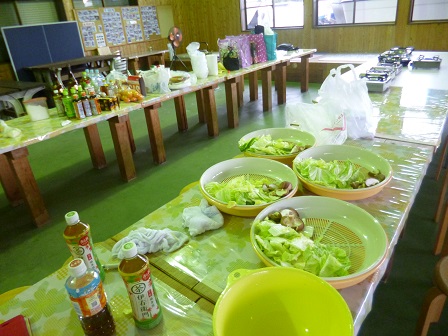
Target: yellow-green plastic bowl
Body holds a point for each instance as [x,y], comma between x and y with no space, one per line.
[290,134]
[272,170]
[357,155]
[341,223]
[280,301]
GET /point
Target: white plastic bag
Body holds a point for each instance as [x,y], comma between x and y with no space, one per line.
[156,79]
[325,121]
[198,60]
[353,97]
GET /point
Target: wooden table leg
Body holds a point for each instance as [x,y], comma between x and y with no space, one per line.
[266,87]
[95,147]
[200,103]
[211,115]
[131,134]
[240,90]
[181,113]
[280,80]
[18,161]
[232,102]
[155,133]
[253,86]
[9,183]
[120,136]
[305,76]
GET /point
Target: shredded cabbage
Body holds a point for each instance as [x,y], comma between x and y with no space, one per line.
[290,248]
[341,174]
[264,144]
[244,190]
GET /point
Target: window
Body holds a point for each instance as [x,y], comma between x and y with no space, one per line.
[350,12]
[429,10]
[271,13]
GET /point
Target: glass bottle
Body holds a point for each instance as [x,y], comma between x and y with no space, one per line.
[68,104]
[94,103]
[57,98]
[134,269]
[85,80]
[77,104]
[79,241]
[85,102]
[89,300]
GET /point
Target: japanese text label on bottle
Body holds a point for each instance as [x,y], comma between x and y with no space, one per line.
[82,248]
[145,306]
[88,300]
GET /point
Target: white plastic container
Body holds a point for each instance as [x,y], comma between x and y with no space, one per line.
[212,64]
[37,108]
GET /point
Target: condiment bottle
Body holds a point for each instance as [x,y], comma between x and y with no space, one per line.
[134,269]
[77,104]
[85,80]
[57,98]
[85,102]
[68,104]
[79,241]
[94,103]
[89,299]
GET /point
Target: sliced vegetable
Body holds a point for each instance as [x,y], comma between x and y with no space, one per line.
[267,146]
[247,190]
[287,247]
[341,174]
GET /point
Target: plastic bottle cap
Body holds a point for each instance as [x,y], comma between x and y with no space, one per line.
[129,250]
[77,267]
[71,218]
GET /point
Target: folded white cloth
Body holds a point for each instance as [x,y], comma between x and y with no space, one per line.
[201,218]
[7,131]
[150,241]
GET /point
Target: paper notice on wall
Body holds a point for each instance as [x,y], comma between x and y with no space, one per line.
[100,40]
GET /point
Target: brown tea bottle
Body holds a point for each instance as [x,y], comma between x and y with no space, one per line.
[134,269]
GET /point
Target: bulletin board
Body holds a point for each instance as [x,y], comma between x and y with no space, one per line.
[91,28]
[113,26]
[132,22]
[151,26]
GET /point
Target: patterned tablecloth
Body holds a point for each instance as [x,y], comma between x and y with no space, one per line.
[50,311]
[204,262]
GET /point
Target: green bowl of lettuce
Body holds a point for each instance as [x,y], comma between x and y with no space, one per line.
[344,172]
[341,243]
[279,144]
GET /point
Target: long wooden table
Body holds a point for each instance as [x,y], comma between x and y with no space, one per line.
[205,261]
[15,172]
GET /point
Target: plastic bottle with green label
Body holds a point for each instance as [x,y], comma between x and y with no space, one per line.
[134,269]
[68,104]
[79,241]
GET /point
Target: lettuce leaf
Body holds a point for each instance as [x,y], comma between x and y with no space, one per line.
[265,145]
[243,190]
[340,174]
[290,248]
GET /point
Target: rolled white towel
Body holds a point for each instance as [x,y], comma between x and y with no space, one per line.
[150,241]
